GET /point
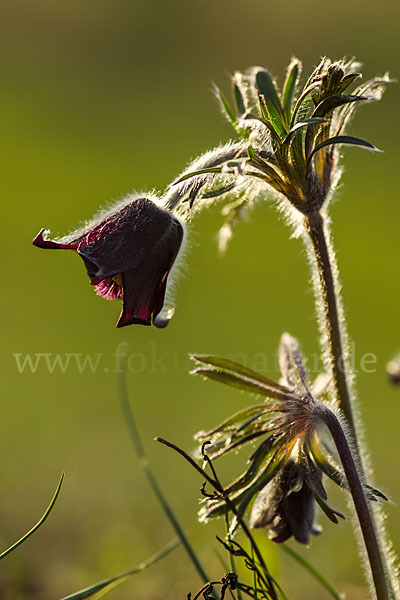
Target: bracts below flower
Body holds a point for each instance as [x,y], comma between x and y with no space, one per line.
[287,142]
[283,482]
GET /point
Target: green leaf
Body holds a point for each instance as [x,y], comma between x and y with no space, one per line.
[291,362]
[226,107]
[266,87]
[335,475]
[255,478]
[146,467]
[347,80]
[272,176]
[235,368]
[332,102]
[272,117]
[330,512]
[239,99]
[105,586]
[343,139]
[299,115]
[375,84]
[304,96]
[196,174]
[236,492]
[325,465]
[374,492]
[231,422]
[314,479]
[238,381]
[322,110]
[312,570]
[218,192]
[305,123]
[219,450]
[38,524]
[289,87]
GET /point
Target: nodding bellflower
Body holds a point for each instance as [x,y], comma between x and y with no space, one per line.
[129,253]
[283,481]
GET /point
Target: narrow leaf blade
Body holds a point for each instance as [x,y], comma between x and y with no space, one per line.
[230,365]
[192,174]
[328,104]
[38,524]
[231,422]
[266,87]
[289,86]
[300,125]
[107,585]
[239,99]
[226,107]
[343,139]
[330,512]
[272,117]
[238,382]
[313,571]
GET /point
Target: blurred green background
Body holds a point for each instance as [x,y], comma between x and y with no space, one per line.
[101,98]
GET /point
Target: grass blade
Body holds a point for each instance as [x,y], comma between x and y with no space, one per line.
[38,524]
[313,571]
[107,585]
[144,462]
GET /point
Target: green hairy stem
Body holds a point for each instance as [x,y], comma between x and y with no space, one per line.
[328,292]
[381,577]
[334,347]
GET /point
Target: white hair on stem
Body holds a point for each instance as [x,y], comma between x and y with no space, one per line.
[366,474]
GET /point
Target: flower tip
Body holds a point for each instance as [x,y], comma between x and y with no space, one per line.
[163,318]
[160,322]
[39,240]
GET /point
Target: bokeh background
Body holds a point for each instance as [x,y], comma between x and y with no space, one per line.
[101,98]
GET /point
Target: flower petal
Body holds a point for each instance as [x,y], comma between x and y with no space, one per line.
[143,295]
[40,242]
[122,240]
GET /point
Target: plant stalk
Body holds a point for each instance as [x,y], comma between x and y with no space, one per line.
[333,329]
[384,590]
[144,463]
[315,228]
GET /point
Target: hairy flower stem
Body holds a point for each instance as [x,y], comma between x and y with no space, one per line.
[372,531]
[314,224]
[381,578]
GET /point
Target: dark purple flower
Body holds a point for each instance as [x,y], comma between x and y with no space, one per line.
[129,253]
[286,505]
